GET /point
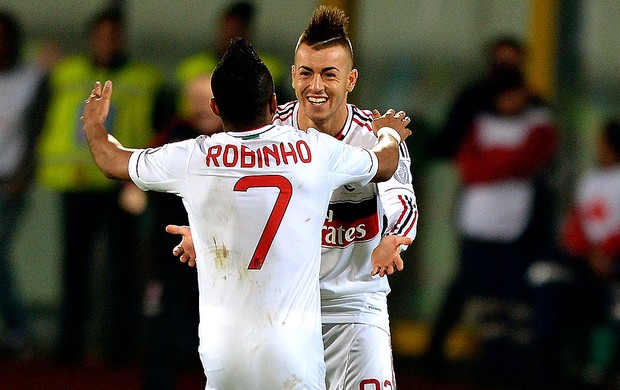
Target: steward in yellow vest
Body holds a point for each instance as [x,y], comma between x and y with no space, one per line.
[96,231]
[65,162]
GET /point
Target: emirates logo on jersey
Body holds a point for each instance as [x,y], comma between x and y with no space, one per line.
[347,223]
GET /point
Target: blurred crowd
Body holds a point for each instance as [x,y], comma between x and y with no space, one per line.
[536,285]
[540,290]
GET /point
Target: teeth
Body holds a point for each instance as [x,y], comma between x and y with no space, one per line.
[317,100]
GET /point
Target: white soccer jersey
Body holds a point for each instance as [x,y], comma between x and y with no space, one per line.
[256,202]
[354,227]
[598,201]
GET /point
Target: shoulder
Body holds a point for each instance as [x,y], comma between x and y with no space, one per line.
[287,106]
[364,116]
[316,136]
[291,131]
[360,131]
[284,113]
[362,119]
[183,148]
[326,142]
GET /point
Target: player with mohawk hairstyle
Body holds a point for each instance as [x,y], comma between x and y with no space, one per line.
[356,331]
[357,247]
[327,25]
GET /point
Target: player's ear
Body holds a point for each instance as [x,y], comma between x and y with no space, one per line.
[273,104]
[352,80]
[293,76]
[214,108]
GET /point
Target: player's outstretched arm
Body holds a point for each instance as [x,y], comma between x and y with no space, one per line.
[110,156]
[386,256]
[391,129]
[185,250]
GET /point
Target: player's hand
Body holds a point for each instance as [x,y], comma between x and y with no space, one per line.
[386,256]
[396,120]
[185,250]
[97,105]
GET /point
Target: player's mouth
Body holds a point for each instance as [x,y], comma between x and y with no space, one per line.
[317,100]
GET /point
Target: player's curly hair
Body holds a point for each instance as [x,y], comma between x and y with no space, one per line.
[327,27]
[242,85]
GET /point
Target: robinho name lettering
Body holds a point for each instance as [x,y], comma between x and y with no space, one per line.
[276,154]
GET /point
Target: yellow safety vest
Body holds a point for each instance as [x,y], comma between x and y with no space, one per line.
[66,164]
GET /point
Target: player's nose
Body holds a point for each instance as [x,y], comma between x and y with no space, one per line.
[317,83]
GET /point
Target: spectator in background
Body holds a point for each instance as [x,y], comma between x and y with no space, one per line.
[506,149]
[236,21]
[591,232]
[89,201]
[20,124]
[505,53]
[171,294]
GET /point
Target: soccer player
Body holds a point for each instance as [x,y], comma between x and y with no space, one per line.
[355,319]
[256,196]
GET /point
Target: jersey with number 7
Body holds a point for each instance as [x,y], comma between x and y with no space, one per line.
[256,203]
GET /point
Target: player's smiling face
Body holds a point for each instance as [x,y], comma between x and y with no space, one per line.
[322,79]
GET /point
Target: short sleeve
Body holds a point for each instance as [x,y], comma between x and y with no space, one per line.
[161,169]
[348,164]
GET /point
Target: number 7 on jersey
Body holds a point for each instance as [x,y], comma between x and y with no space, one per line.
[277,213]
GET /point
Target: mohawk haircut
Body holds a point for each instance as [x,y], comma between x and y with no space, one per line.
[242,85]
[327,27]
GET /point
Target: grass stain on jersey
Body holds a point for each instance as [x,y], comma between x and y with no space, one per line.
[292,383]
[222,254]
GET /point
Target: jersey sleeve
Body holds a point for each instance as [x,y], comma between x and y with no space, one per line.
[398,199]
[348,164]
[161,169]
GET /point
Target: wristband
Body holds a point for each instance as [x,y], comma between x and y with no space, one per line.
[390,131]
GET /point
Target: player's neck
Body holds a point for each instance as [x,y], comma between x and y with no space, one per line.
[331,125]
[237,125]
[243,126]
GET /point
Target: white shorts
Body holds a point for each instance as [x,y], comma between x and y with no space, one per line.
[358,356]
